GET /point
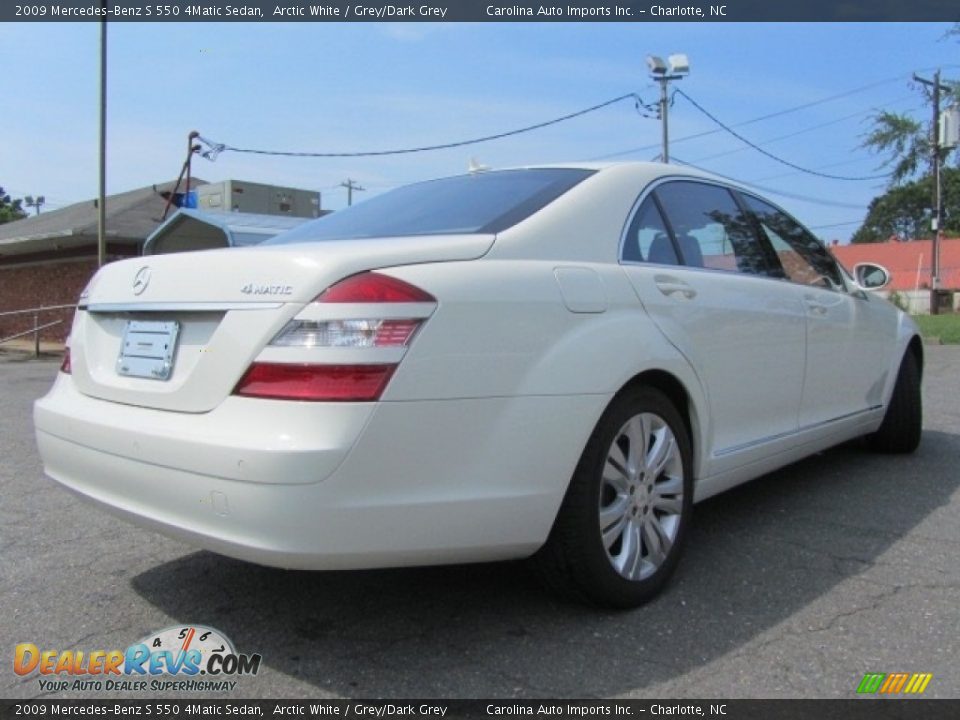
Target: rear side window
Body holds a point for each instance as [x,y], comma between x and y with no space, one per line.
[711,230]
[803,258]
[486,202]
[648,239]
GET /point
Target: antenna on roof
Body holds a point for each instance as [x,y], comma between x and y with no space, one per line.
[475,166]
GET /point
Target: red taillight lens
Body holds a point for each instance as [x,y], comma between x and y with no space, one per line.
[330,383]
[65,365]
[395,333]
[371,287]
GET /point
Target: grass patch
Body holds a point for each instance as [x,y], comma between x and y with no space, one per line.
[945,327]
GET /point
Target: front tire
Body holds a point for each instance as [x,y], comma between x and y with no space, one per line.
[621,528]
[903,422]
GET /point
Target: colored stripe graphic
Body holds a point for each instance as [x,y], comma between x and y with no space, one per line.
[871,682]
[894,683]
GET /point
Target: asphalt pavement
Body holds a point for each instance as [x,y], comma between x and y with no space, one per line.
[794,585]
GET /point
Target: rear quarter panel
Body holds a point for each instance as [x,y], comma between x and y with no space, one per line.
[501,329]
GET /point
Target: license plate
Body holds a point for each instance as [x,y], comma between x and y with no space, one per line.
[148,348]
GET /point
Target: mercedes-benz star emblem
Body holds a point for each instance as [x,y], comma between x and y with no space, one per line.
[141,280]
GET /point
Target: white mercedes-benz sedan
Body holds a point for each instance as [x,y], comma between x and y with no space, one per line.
[553,362]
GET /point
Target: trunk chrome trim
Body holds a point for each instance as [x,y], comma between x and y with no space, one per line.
[177,306]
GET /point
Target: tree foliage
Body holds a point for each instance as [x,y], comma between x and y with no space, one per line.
[905,142]
[10,209]
[904,210]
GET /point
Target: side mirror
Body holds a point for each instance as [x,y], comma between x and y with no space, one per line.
[870,276]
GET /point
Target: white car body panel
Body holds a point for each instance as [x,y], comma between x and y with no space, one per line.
[467,454]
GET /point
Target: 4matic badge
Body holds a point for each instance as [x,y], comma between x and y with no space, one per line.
[177,652]
[266,289]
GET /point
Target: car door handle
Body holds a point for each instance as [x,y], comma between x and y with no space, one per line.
[671,287]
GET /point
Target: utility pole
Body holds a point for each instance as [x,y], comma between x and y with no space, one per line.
[351,185]
[679,68]
[102,195]
[936,89]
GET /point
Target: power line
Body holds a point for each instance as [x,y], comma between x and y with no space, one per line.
[775,191]
[802,131]
[818,167]
[770,155]
[833,225]
[778,113]
[768,116]
[217,148]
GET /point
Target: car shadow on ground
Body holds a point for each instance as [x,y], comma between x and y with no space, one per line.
[756,556]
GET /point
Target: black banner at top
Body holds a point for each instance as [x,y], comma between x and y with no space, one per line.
[480,11]
[554,709]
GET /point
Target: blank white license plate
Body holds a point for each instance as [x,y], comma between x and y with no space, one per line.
[148,349]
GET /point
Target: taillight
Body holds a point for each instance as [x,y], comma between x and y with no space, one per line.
[65,365]
[372,287]
[360,381]
[346,333]
[343,383]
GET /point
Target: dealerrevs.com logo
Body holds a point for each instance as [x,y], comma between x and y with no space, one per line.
[178,658]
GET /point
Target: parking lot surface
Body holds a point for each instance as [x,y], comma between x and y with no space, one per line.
[794,585]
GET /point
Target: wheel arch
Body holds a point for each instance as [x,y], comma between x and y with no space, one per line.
[678,394]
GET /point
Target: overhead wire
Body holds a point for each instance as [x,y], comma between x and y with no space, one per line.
[801,131]
[760,118]
[216,148]
[777,113]
[770,155]
[836,224]
[775,191]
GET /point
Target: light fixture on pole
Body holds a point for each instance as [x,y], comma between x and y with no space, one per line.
[661,72]
[35,202]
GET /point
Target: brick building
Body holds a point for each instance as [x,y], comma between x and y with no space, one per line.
[47,259]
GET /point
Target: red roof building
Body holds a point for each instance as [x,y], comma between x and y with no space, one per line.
[909,263]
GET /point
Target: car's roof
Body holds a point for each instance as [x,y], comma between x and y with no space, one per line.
[647,168]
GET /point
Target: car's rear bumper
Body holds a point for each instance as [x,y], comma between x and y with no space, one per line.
[325,486]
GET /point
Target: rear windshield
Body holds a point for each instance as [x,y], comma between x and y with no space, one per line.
[487,202]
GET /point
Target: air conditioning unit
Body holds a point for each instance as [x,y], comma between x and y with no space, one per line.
[248,197]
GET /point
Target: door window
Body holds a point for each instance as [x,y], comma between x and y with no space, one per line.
[803,258]
[648,239]
[711,230]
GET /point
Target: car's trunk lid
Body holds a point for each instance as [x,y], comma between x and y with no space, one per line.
[214,311]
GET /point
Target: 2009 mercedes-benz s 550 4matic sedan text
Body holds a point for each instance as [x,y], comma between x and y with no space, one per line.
[553,362]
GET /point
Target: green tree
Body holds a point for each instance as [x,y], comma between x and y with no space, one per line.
[10,209]
[904,210]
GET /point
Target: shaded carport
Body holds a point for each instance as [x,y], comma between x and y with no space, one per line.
[189,229]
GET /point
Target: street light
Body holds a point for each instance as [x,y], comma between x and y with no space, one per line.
[35,202]
[661,72]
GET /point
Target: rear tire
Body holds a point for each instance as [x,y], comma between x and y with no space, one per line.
[903,422]
[621,528]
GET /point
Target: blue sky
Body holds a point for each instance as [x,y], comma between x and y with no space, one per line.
[347,87]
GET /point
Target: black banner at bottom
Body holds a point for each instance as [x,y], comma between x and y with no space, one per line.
[853,709]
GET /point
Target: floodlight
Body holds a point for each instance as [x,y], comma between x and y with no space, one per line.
[656,64]
[679,63]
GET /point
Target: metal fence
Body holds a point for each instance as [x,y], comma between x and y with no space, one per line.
[37,327]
